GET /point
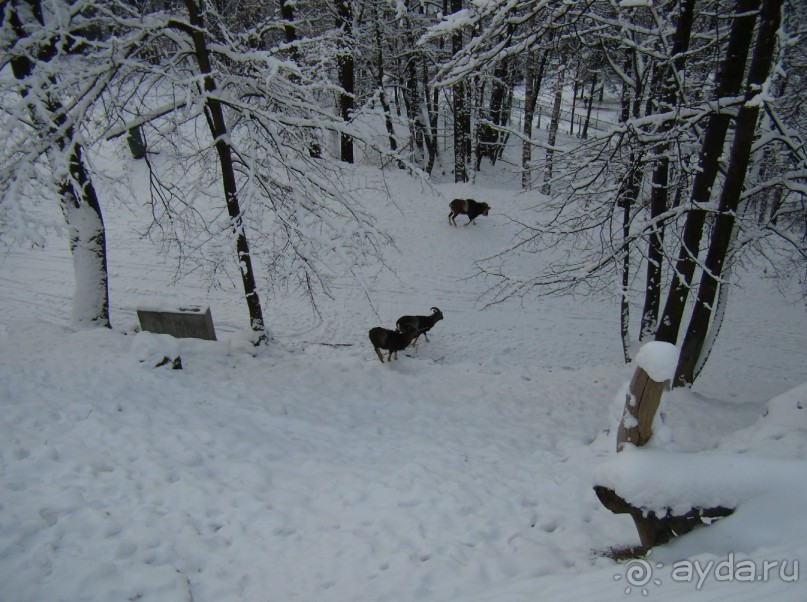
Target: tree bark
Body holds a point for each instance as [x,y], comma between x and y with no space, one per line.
[729,81]
[490,133]
[590,103]
[660,179]
[433,113]
[382,98]
[574,99]
[739,161]
[462,112]
[553,131]
[533,79]
[219,131]
[344,22]
[625,201]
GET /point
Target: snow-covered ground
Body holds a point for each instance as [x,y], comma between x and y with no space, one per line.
[312,472]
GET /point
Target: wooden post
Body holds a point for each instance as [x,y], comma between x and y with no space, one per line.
[641,405]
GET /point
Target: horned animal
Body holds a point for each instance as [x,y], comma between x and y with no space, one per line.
[390,340]
[468,207]
[420,324]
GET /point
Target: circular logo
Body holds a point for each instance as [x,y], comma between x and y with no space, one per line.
[638,573]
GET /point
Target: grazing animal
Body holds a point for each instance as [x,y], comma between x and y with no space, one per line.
[420,324]
[468,207]
[390,340]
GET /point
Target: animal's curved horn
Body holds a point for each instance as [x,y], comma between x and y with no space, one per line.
[435,310]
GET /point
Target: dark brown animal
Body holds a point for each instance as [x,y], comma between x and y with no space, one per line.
[468,207]
[420,324]
[390,340]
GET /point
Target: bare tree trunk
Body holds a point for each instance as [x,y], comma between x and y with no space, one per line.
[659,192]
[344,22]
[719,315]
[574,98]
[219,131]
[533,79]
[382,98]
[624,302]
[729,81]
[626,198]
[490,133]
[553,130]
[589,105]
[290,35]
[462,112]
[739,161]
[433,113]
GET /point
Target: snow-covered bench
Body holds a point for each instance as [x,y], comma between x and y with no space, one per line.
[662,493]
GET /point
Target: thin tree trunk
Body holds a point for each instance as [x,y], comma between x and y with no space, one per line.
[408,87]
[625,203]
[507,115]
[290,35]
[530,95]
[345,63]
[626,198]
[717,322]
[489,133]
[462,127]
[729,82]
[739,161]
[553,131]
[462,112]
[218,130]
[432,114]
[574,98]
[659,192]
[382,98]
[533,79]
[590,104]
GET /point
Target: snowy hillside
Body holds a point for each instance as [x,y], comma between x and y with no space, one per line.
[312,472]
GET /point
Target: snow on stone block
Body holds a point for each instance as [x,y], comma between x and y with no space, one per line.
[182,322]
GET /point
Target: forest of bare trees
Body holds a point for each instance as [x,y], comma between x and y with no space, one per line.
[261,108]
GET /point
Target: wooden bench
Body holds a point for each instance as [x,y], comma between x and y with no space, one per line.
[641,404]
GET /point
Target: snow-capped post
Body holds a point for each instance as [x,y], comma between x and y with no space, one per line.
[655,367]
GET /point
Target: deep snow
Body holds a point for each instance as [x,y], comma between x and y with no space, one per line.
[312,472]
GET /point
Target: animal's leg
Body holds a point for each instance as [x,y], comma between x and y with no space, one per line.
[378,353]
